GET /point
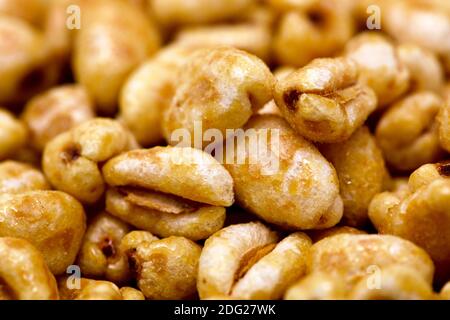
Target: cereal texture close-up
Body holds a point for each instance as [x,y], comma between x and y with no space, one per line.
[224,150]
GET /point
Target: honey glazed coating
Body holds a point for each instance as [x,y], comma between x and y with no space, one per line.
[224,150]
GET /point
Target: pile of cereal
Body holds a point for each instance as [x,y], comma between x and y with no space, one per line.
[224,149]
